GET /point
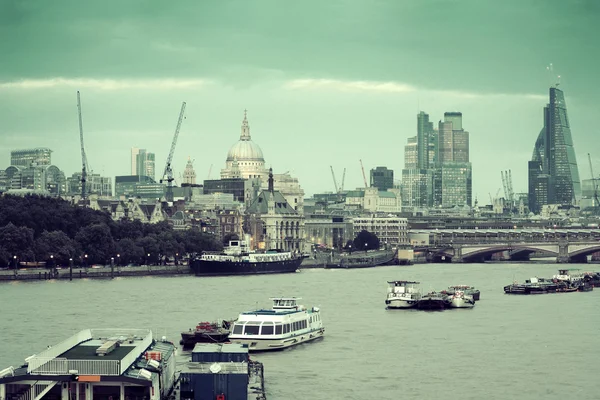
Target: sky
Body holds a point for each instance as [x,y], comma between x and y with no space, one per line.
[325,83]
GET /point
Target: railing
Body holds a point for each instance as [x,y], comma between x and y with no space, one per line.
[137,351]
[52,352]
[48,363]
[36,390]
[62,366]
[225,367]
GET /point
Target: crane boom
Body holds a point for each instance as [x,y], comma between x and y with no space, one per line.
[168,173]
[343,178]
[594,185]
[84,166]
[363,173]
[334,181]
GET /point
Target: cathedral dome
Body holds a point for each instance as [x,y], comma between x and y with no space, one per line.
[245,149]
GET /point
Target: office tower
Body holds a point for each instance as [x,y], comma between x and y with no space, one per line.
[382,178]
[25,158]
[134,152]
[452,178]
[424,133]
[553,172]
[142,163]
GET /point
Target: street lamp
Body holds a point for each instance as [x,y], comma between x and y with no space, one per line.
[15,262]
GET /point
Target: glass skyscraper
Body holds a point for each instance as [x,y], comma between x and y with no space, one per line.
[553,172]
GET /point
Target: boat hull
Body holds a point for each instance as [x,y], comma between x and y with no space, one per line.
[401,303]
[461,302]
[216,268]
[361,260]
[431,304]
[261,344]
[189,339]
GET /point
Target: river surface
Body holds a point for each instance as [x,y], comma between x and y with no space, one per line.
[507,347]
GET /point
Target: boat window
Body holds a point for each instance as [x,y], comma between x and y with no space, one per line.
[237,329]
[278,329]
[287,328]
[267,329]
[251,329]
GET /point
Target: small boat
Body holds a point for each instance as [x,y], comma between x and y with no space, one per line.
[466,289]
[592,278]
[433,301]
[461,300]
[286,324]
[206,332]
[402,294]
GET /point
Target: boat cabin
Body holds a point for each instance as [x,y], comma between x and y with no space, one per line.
[285,303]
[402,286]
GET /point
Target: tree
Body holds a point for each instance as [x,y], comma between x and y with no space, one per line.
[96,241]
[129,252]
[16,240]
[366,240]
[57,244]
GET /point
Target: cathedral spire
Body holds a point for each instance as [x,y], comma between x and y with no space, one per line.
[245,128]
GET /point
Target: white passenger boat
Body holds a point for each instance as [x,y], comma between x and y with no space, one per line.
[285,325]
[402,294]
[461,300]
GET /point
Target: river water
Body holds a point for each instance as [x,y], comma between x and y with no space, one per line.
[507,347]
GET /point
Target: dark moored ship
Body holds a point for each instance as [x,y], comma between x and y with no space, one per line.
[433,301]
[360,259]
[206,332]
[236,259]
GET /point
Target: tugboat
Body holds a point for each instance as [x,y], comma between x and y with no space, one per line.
[461,300]
[286,324]
[206,332]
[467,290]
[402,294]
[533,286]
[237,259]
[433,301]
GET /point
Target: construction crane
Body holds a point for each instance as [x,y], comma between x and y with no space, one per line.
[343,178]
[363,172]
[595,203]
[511,193]
[209,171]
[337,191]
[168,173]
[504,184]
[84,163]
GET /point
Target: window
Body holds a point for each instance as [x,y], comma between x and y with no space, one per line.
[267,329]
[252,329]
[237,329]
[278,329]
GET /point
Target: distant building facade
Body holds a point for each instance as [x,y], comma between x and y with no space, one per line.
[142,186]
[25,158]
[382,178]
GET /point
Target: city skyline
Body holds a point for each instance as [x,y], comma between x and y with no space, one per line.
[308,108]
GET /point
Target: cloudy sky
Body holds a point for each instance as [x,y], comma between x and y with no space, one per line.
[325,82]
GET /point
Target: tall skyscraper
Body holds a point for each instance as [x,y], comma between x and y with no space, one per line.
[424,133]
[142,163]
[452,177]
[553,172]
[134,152]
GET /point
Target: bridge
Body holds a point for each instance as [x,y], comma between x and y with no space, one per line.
[567,246]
